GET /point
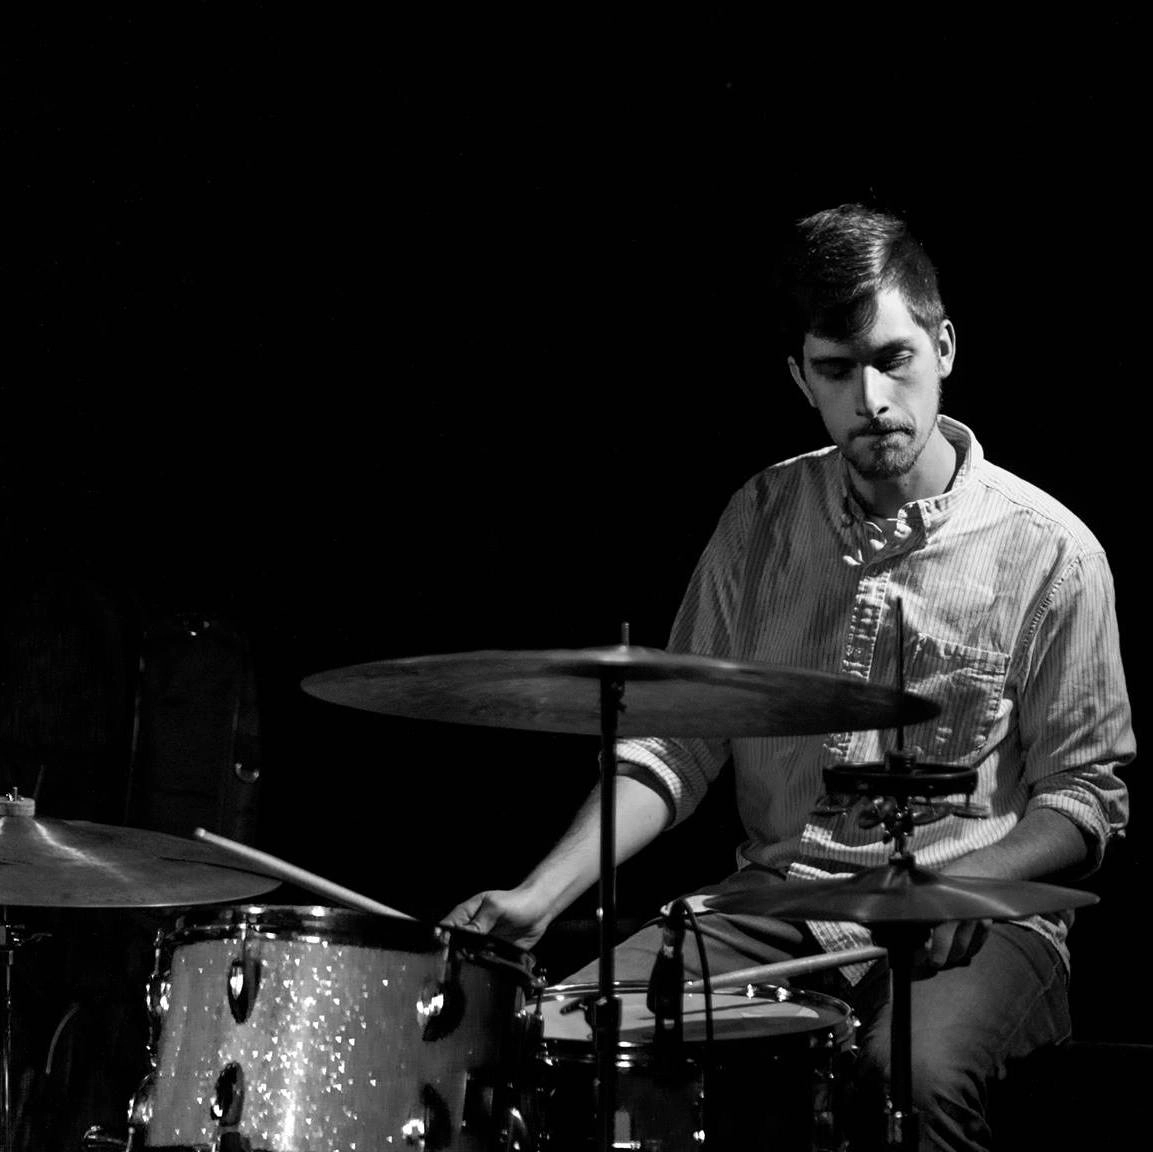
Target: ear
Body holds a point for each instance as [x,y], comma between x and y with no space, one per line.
[800,381]
[946,348]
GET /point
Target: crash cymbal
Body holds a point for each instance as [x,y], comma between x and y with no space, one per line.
[76,864]
[665,694]
[899,894]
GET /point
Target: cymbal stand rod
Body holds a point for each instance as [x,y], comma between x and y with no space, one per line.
[900,666]
[901,940]
[605,1015]
[8,943]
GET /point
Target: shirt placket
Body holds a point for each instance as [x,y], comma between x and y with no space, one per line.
[860,647]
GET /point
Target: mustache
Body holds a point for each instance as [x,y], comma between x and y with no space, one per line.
[881,428]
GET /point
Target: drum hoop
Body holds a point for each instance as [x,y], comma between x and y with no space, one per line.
[841,1029]
[343,927]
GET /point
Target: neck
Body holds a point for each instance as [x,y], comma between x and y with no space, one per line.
[930,476]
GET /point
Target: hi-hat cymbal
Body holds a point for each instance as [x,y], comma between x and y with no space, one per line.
[899,894]
[665,694]
[76,864]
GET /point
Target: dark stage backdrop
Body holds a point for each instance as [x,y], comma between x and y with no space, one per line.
[352,362]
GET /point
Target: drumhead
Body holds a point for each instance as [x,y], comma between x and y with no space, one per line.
[759,1011]
[344,926]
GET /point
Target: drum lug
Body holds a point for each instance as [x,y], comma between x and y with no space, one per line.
[431,1002]
[490,1106]
[854,1026]
[513,1135]
[227,1107]
[228,1099]
[243,984]
[157,997]
[140,1112]
[431,1125]
[412,1133]
[439,1008]
[159,992]
[98,1139]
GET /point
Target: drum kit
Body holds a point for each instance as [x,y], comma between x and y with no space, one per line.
[354,1026]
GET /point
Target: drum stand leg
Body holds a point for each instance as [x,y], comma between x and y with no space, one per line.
[12,938]
[9,957]
[605,1014]
[9,942]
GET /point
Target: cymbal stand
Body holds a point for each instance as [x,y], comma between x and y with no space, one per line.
[901,942]
[605,1012]
[11,939]
[891,789]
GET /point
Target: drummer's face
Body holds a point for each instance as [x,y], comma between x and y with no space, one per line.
[879,393]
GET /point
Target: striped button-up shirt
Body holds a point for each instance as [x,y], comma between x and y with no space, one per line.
[1009,625]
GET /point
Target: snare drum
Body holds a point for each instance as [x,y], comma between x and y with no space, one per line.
[292,1028]
[771,1078]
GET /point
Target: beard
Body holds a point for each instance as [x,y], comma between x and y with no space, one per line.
[885,453]
[886,449]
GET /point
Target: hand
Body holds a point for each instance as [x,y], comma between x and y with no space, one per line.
[950,945]
[511,915]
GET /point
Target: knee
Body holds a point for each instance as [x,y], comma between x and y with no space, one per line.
[947,1093]
[942,1065]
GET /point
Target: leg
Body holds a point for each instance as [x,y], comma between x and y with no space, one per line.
[969,1023]
[730,942]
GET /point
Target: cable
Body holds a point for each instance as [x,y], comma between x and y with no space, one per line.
[707,989]
[702,956]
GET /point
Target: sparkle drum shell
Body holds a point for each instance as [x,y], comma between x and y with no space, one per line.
[297,1029]
[772,1078]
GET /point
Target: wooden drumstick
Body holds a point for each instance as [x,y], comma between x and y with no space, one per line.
[766,973]
[271,866]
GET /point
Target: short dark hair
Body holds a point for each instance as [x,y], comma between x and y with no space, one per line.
[836,263]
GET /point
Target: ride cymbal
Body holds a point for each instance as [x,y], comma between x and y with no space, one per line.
[665,694]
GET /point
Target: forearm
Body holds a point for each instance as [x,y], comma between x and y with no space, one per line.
[573,865]
[1044,843]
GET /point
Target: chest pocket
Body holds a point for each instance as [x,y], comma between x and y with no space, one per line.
[968,683]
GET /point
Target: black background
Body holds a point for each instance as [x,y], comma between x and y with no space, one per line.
[381,345]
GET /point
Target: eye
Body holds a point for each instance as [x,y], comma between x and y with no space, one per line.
[836,369]
[895,363]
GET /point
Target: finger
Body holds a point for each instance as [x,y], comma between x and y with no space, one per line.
[922,956]
[984,927]
[464,913]
[947,946]
[941,946]
[960,948]
[977,931]
[955,944]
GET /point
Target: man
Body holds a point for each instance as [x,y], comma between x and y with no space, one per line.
[1009,625]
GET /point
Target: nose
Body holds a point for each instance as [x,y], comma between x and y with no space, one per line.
[873,398]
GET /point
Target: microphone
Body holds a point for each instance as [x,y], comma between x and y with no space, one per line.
[667,982]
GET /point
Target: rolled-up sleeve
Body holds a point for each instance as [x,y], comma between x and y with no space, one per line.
[682,769]
[1075,721]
